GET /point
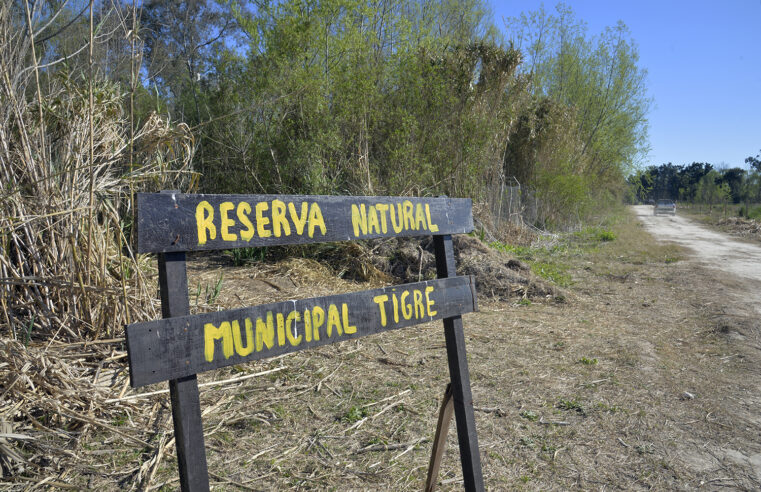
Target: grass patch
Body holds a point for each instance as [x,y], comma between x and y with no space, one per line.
[521,252]
[571,405]
[543,261]
[354,414]
[619,240]
[554,272]
[631,245]
[595,235]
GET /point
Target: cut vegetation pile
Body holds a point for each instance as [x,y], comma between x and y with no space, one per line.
[497,274]
[741,226]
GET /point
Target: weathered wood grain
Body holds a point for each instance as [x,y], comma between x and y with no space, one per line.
[177,347]
[184,222]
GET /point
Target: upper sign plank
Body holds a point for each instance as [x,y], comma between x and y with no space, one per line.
[179,222]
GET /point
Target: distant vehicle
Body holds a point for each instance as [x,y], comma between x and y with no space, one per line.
[664,207]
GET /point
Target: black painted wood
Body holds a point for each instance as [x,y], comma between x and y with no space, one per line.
[176,347]
[186,405]
[460,376]
[170,221]
[188,433]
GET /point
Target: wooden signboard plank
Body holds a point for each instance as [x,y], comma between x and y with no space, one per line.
[459,374]
[177,347]
[183,222]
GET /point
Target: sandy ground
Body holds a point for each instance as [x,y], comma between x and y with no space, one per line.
[714,249]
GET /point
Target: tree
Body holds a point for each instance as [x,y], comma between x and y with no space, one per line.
[711,191]
[599,78]
[734,178]
[689,177]
[641,185]
[754,162]
[181,40]
[588,97]
[342,96]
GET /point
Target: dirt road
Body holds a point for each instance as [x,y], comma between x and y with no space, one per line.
[729,288]
[711,248]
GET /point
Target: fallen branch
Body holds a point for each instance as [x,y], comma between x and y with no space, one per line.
[553,422]
[202,385]
[495,410]
[391,447]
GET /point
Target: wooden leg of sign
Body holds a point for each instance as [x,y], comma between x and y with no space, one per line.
[460,376]
[188,434]
[440,440]
[186,404]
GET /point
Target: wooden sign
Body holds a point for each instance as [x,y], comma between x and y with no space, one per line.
[180,346]
[175,347]
[179,222]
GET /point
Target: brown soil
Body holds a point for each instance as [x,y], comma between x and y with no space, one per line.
[648,377]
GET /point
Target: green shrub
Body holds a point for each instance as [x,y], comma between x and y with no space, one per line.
[755,213]
[571,405]
[605,235]
[553,272]
[354,414]
[596,234]
[523,252]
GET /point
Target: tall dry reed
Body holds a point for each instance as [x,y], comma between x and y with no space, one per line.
[49,283]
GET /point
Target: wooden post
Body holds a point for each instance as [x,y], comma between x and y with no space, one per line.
[459,376]
[186,402]
[440,440]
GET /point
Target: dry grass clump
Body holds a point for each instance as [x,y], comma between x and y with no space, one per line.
[52,395]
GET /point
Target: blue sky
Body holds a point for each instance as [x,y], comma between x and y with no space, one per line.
[704,71]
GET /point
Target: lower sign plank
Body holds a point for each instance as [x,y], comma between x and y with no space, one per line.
[172,348]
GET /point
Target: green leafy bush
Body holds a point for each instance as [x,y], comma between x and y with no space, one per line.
[556,273]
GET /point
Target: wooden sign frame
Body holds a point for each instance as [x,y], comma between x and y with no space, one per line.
[180,346]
